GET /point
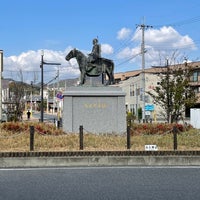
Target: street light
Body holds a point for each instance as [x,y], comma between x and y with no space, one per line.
[42,83]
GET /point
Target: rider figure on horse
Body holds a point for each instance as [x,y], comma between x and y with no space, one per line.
[96,52]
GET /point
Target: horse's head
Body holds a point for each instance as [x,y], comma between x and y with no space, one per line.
[71,54]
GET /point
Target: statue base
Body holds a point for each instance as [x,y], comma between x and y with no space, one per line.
[98,109]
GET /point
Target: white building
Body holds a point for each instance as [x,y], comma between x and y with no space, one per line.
[133,87]
[132,82]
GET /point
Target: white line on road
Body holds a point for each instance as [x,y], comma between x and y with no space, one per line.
[103,167]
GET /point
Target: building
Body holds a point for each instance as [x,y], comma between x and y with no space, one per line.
[132,82]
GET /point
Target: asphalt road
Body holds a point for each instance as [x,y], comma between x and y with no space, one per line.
[109,183]
[47,116]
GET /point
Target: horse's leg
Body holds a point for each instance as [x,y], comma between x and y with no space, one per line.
[109,78]
[112,74]
[82,78]
[109,72]
[112,77]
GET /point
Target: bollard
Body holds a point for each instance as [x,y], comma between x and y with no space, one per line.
[128,134]
[81,137]
[175,131]
[32,130]
[58,124]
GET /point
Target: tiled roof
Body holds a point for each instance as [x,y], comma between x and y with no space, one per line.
[153,69]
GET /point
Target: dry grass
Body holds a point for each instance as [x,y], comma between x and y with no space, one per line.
[20,140]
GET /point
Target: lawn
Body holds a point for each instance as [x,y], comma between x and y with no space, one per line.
[15,136]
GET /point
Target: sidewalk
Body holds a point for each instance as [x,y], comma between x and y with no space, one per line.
[25,117]
[37,119]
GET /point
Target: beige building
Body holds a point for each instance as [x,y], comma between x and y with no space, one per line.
[133,87]
[132,83]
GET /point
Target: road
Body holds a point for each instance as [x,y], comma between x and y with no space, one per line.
[47,116]
[101,183]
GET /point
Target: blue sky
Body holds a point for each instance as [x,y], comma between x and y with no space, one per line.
[29,26]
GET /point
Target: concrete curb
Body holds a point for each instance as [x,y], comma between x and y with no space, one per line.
[74,161]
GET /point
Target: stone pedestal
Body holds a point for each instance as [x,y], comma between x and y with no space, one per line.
[98,109]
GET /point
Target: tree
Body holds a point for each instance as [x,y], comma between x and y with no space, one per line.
[139,114]
[174,92]
[17,103]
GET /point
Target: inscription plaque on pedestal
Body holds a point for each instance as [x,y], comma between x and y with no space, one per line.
[98,109]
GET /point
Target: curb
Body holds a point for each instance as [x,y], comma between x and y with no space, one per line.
[101,158]
[98,153]
[100,161]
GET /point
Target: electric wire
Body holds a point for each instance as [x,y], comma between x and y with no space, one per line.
[168,47]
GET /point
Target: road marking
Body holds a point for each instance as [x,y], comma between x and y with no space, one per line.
[98,167]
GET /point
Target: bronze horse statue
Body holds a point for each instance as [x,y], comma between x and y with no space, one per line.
[101,66]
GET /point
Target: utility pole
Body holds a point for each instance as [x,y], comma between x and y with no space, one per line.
[143,51]
[42,83]
[1,70]
[168,95]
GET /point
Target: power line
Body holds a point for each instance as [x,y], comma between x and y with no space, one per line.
[130,58]
[175,24]
[182,22]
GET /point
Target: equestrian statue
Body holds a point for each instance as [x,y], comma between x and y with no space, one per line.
[93,64]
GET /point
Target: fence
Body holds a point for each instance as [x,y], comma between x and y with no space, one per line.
[33,140]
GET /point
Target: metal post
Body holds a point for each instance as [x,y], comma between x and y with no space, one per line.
[143,72]
[143,51]
[32,130]
[128,134]
[168,96]
[31,98]
[175,137]
[1,70]
[103,78]
[42,85]
[81,137]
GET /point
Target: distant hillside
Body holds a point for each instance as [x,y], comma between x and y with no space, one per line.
[65,83]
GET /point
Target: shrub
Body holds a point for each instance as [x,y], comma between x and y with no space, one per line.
[159,128]
[41,128]
[14,126]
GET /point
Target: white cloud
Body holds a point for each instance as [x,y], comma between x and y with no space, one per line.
[106,49]
[128,52]
[29,64]
[159,43]
[124,33]
[166,38]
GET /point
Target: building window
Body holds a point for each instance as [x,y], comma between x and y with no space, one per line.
[195,76]
[132,92]
[141,97]
[138,92]
[132,110]
[147,99]
[197,90]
